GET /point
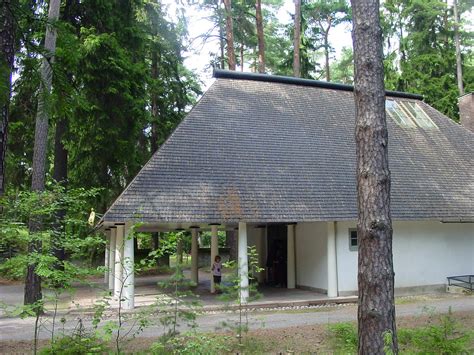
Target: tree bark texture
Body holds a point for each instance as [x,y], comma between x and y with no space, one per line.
[458,49]
[229,27]
[33,281]
[297,40]
[376,311]
[326,54]
[43,110]
[260,36]
[7,44]
[221,34]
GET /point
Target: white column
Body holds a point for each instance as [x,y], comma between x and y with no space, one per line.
[194,256]
[113,240]
[290,262]
[243,263]
[332,260]
[214,252]
[119,236]
[106,256]
[128,294]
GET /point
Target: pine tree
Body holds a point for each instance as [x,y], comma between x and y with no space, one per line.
[33,281]
[7,44]
[376,312]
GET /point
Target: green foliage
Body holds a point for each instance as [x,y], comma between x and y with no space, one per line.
[73,234]
[102,88]
[447,337]
[194,343]
[344,337]
[232,291]
[423,57]
[440,336]
[80,342]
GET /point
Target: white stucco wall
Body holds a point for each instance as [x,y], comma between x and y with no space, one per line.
[424,253]
[311,255]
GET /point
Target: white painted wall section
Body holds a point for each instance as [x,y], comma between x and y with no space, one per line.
[311,255]
[424,253]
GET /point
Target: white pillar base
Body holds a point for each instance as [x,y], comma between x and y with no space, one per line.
[113,239]
[106,256]
[118,282]
[128,293]
[243,263]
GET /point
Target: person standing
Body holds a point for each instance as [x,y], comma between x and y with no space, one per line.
[217,272]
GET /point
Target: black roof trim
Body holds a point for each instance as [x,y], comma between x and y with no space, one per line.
[229,74]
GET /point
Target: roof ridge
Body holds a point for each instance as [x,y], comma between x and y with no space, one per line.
[230,74]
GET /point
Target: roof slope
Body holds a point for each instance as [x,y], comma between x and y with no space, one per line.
[261,151]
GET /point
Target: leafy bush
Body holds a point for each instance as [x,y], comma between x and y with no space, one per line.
[446,338]
[195,344]
[77,344]
[344,337]
[443,337]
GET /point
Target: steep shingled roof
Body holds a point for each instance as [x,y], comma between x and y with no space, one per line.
[261,150]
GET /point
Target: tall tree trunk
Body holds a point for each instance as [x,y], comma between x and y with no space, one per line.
[7,44]
[241,57]
[221,34]
[33,281]
[458,49]
[326,55]
[229,27]
[297,40]
[376,313]
[60,171]
[260,36]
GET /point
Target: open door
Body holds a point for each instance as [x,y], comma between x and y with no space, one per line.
[277,250]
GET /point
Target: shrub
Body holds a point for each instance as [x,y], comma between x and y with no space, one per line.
[196,344]
[77,344]
[344,337]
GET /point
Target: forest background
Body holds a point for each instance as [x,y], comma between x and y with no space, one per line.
[122,80]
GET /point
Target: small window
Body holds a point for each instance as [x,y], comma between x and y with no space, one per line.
[398,114]
[353,240]
[418,115]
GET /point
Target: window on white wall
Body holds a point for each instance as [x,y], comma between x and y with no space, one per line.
[353,240]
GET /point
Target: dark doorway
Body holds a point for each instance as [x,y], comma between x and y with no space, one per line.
[277,251]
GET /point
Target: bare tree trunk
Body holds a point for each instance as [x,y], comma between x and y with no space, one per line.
[33,281]
[376,314]
[241,57]
[229,27]
[297,40]
[260,36]
[458,49]
[326,55]
[221,34]
[7,45]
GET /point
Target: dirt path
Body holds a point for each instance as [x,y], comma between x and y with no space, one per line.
[15,329]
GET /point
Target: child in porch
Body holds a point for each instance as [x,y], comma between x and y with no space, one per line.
[217,272]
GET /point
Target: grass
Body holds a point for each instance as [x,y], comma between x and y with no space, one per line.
[441,334]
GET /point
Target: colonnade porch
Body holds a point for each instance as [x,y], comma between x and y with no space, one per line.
[119,256]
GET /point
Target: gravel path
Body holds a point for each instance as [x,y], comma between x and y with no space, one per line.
[14,329]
